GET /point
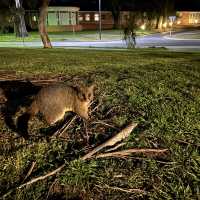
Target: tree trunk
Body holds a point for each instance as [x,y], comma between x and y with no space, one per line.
[116,18]
[42,24]
[160,23]
[20,27]
[19,22]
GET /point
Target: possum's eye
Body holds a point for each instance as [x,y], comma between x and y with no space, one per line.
[89,95]
[82,97]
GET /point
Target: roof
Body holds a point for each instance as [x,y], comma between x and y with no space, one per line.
[63,8]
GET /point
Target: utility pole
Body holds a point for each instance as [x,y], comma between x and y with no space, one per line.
[100,25]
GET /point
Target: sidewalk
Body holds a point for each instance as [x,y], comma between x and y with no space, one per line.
[191,35]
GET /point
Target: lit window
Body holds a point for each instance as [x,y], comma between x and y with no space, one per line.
[87,17]
[96,17]
[80,17]
[34,18]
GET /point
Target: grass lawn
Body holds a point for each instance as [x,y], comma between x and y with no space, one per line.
[158,89]
[77,36]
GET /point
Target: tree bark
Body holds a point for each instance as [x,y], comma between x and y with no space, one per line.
[160,23]
[19,22]
[42,24]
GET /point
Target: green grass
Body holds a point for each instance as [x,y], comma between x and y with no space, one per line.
[77,36]
[158,89]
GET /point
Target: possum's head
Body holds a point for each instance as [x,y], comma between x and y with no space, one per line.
[85,96]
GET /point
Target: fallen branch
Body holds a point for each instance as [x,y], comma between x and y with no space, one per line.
[50,188]
[117,138]
[64,127]
[112,141]
[189,143]
[122,189]
[35,180]
[42,177]
[104,123]
[116,147]
[131,151]
[30,170]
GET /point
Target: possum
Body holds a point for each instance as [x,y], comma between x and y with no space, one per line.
[53,101]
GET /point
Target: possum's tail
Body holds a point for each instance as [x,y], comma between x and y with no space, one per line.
[22,121]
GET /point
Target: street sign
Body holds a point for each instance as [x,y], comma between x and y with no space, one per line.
[172,18]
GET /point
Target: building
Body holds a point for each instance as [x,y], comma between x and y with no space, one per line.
[89,20]
[72,19]
[188,18]
[61,19]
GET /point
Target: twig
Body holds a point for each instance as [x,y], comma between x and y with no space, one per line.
[30,170]
[86,131]
[123,189]
[189,143]
[99,104]
[35,180]
[117,138]
[130,151]
[114,107]
[120,136]
[96,107]
[116,147]
[64,128]
[104,123]
[42,177]
[50,188]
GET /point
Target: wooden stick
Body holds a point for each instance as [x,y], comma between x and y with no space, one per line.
[123,189]
[116,147]
[130,151]
[50,188]
[117,138]
[30,170]
[104,123]
[42,177]
[35,180]
[64,127]
[120,136]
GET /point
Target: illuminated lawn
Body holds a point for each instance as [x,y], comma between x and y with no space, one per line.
[76,36]
[158,89]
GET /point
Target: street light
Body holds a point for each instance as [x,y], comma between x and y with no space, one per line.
[100,26]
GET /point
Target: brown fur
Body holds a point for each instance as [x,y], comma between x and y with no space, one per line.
[55,100]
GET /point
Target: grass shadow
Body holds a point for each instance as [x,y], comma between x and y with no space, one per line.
[18,94]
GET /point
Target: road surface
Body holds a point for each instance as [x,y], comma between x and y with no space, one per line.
[154,40]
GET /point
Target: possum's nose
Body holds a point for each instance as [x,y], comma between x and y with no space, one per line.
[86,117]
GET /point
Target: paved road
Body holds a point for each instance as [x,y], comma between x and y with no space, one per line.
[155,40]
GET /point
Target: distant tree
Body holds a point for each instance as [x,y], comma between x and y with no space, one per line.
[42,23]
[12,12]
[6,22]
[19,22]
[42,6]
[115,7]
[163,8]
[130,31]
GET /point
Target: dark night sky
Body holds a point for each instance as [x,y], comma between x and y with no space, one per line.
[93,4]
